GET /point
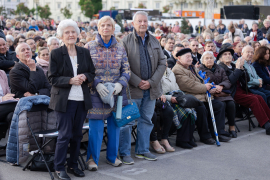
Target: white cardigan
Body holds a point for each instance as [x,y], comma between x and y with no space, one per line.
[168,83]
[237,32]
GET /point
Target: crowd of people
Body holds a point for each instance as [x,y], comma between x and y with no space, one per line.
[82,65]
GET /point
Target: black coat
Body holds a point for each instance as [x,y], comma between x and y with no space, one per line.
[23,80]
[195,60]
[171,62]
[166,54]
[8,61]
[61,71]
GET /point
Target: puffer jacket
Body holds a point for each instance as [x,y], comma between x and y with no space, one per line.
[168,83]
[220,78]
[111,66]
[190,83]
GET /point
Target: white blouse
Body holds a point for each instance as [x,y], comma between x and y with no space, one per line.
[76,92]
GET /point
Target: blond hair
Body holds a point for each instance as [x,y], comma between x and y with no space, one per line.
[104,19]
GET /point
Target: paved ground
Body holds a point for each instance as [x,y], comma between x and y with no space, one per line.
[244,158]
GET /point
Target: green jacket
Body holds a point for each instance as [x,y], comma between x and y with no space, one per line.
[254,78]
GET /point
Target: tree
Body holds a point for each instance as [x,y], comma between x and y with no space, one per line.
[21,9]
[184,26]
[112,8]
[31,12]
[3,11]
[141,6]
[44,12]
[90,7]
[118,17]
[166,9]
[66,12]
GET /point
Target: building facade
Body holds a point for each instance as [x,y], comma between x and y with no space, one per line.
[187,5]
[56,5]
[11,5]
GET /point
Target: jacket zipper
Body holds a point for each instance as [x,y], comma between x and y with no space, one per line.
[106,69]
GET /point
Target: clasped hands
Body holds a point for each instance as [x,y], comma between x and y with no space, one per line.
[217,88]
[78,80]
[103,91]
[144,85]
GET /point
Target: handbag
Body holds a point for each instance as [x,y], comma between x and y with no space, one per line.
[39,165]
[129,113]
[186,100]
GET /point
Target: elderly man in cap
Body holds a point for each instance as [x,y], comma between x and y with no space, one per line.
[190,82]
[147,64]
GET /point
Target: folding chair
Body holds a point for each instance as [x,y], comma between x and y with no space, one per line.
[248,114]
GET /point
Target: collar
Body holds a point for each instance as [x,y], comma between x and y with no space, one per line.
[168,52]
[194,55]
[145,35]
[24,65]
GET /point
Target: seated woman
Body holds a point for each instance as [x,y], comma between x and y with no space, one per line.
[239,78]
[191,83]
[6,110]
[222,84]
[237,47]
[261,65]
[43,59]
[255,45]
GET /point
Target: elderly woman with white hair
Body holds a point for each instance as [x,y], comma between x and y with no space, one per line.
[70,72]
[112,69]
[53,43]
[10,40]
[222,92]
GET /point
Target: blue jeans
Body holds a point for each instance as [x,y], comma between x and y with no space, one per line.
[96,128]
[144,127]
[262,92]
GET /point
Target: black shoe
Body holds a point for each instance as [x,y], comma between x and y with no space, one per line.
[77,172]
[226,133]
[183,145]
[267,131]
[223,138]
[209,141]
[192,143]
[233,134]
[61,175]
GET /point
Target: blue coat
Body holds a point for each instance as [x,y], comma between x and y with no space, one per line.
[111,66]
[263,73]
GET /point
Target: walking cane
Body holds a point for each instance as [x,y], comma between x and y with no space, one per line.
[202,74]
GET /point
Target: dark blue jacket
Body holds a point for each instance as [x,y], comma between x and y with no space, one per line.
[263,73]
[259,34]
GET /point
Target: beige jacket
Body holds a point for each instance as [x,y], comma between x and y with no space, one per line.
[168,83]
[158,62]
[189,83]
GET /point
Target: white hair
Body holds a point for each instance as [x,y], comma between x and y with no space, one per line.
[51,39]
[67,23]
[206,53]
[10,37]
[227,41]
[247,46]
[261,41]
[139,13]
[18,48]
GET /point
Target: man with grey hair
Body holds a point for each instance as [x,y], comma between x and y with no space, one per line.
[168,48]
[236,39]
[147,65]
[53,43]
[26,79]
[7,58]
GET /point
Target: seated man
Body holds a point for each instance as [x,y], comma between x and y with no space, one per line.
[172,60]
[32,44]
[168,48]
[25,78]
[7,58]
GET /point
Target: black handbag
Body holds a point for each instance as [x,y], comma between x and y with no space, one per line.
[186,100]
[39,165]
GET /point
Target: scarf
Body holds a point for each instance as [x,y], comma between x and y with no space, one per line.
[42,62]
[218,44]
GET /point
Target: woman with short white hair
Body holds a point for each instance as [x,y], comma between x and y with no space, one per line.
[70,71]
[53,43]
[222,91]
[10,40]
[112,69]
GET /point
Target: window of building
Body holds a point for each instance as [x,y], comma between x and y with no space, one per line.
[116,5]
[8,0]
[18,1]
[79,18]
[59,5]
[157,5]
[230,3]
[185,5]
[249,3]
[130,5]
[69,5]
[58,18]
[104,5]
[215,5]
[200,5]
[145,4]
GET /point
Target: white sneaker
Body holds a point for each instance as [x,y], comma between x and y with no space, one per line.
[91,167]
[116,163]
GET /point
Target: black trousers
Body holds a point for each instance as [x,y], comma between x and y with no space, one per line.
[6,109]
[166,119]
[204,121]
[70,131]
[230,111]
[185,133]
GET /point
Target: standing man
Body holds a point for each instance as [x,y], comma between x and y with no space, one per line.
[194,45]
[199,28]
[151,28]
[147,64]
[168,48]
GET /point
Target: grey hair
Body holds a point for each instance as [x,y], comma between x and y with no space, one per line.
[247,46]
[51,39]
[10,37]
[17,50]
[205,53]
[67,23]
[219,37]
[169,37]
[139,13]
[261,41]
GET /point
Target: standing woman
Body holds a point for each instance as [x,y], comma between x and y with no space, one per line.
[70,71]
[111,63]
